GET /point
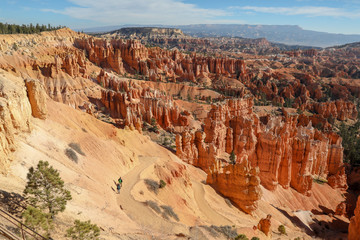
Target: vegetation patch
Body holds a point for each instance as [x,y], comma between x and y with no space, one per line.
[162,183]
[282,230]
[83,231]
[320,180]
[241,237]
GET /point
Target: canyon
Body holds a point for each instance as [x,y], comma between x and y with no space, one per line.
[252,129]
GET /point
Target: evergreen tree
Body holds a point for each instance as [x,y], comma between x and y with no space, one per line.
[232,158]
[45,189]
[83,231]
[37,220]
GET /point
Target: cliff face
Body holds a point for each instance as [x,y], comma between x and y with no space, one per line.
[37,98]
[15,114]
[354,227]
[285,152]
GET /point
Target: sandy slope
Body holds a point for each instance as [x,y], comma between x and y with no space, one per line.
[110,153]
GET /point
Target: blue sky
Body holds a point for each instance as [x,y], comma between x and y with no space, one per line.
[336,16]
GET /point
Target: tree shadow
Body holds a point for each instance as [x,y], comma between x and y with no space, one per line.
[13,203]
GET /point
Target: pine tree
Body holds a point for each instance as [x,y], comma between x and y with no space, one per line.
[232,158]
[37,219]
[45,189]
[83,231]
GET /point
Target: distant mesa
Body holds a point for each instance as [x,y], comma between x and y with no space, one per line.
[146,32]
[286,34]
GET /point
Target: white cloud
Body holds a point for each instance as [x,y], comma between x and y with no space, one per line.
[140,12]
[307,11]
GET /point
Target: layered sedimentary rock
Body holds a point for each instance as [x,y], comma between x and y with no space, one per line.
[15,114]
[37,98]
[239,182]
[354,226]
[133,104]
[156,63]
[286,152]
[338,109]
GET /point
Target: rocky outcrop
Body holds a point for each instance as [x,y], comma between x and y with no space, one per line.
[239,182]
[156,63]
[131,104]
[340,209]
[15,114]
[285,151]
[338,109]
[264,225]
[354,226]
[37,98]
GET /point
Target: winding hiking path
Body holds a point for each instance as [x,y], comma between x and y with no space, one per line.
[145,217]
[137,211]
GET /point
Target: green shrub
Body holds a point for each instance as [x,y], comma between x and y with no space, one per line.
[241,237]
[162,183]
[77,148]
[38,220]
[282,229]
[71,155]
[232,158]
[255,238]
[83,231]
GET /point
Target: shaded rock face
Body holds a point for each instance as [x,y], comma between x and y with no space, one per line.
[239,182]
[156,63]
[354,226]
[286,152]
[37,98]
[15,114]
[131,104]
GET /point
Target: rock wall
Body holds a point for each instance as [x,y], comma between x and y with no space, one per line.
[354,226]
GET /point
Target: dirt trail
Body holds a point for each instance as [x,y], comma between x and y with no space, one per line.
[137,211]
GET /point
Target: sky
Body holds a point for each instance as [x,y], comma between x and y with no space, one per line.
[335,16]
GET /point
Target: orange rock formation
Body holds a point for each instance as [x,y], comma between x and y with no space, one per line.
[239,182]
[286,152]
